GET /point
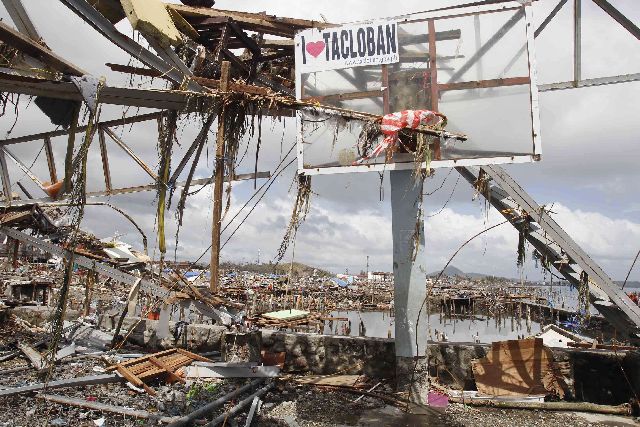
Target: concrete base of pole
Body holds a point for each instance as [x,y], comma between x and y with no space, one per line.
[412,376]
[410,290]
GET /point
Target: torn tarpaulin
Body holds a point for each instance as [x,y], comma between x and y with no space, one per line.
[407,119]
[88,87]
[62,111]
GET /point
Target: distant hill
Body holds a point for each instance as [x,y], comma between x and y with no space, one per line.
[452,271]
[299,269]
[449,271]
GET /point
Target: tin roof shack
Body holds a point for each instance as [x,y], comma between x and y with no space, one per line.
[35,291]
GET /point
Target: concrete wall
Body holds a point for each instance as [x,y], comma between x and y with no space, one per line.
[597,376]
[329,354]
[197,337]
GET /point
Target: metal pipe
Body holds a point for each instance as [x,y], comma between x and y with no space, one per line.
[577,42]
[240,406]
[110,123]
[199,413]
[130,152]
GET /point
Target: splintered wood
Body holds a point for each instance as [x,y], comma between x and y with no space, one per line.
[517,368]
[331,380]
[163,364]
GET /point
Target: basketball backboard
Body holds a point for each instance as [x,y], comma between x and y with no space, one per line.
[458,61]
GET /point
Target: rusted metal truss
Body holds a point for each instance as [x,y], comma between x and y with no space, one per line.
[555,245]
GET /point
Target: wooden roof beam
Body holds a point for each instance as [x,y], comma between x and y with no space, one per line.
[26,45]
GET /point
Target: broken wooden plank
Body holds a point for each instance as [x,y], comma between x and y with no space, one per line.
[71,382]
[33,355]
[613,347]
[122,121]
[169,369]
[103,407]
[153,365]
[284,27]
[25,44]
[369,391]
[193,356]
[623,409]
[134,379]
[332,380]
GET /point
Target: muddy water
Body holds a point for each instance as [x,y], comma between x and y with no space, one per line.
[479,328]
[437,327]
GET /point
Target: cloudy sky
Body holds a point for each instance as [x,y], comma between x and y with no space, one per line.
[589,171]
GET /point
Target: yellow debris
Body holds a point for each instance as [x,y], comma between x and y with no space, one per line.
[152,19]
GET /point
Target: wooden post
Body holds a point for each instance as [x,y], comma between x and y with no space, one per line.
[217,184]
[6,181]
[50,160]
[16,252]
[88,287]
[105,160]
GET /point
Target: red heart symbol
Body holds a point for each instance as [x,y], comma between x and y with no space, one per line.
[315,48]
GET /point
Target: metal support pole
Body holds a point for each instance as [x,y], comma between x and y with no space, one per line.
[218,183]
[577,42]
[619,17]
[129,152]
[433,80]
[410,285]
[240,406]
[21,19]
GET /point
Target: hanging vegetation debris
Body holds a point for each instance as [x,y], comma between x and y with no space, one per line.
[299,214]
[583,296]
[166,134]
[524,227]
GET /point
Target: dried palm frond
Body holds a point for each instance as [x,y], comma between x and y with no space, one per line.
[583,296]
[299,214]
[166,134]
[368,135]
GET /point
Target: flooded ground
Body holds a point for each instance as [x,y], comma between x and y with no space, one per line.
[479,328]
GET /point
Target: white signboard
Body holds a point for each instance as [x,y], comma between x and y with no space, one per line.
[349,46]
